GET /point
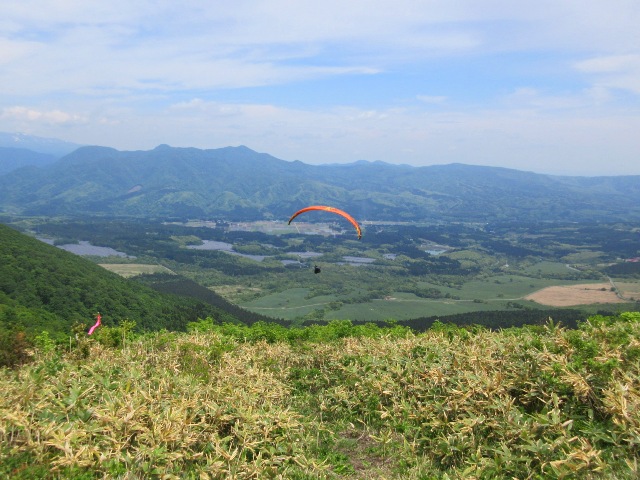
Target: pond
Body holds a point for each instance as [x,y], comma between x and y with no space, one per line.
[357,261]
[85,248]
[225,247]
[306,254]
[228,248]
[213,245]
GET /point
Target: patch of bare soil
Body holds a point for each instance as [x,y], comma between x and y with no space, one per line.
[567,296]
[363,454]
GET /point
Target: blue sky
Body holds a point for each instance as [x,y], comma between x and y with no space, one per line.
[550,86]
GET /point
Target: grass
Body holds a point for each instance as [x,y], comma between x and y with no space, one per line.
[291,298]
[330,402]
[629,289]
[507,286]
[493,293]
[408,306]
[128,270]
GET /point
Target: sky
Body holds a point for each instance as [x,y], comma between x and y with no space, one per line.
[548,86]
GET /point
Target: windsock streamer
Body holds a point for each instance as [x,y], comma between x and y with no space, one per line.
[97,324]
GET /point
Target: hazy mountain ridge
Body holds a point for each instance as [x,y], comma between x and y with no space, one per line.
[18,150]
[14,158]
[49,146]
[236,182]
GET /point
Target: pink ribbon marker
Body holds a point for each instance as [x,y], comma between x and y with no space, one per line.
[98,318]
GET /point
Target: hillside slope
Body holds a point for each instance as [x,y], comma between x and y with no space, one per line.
[43,287]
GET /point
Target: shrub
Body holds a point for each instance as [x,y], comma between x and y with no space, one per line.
[14,348]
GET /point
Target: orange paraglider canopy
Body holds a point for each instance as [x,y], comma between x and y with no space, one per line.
[332,210]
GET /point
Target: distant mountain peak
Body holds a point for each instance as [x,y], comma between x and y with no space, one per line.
[50,146]
[365,163]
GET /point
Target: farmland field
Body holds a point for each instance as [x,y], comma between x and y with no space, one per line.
[407,306]
[132,269]
[506,287]
[629,290]
[584,294]
[399,274]
[500,292]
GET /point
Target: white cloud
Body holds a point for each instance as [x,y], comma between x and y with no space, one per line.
[598,95]
[192,73]
[19,113]
[532,98]
[93,45]
[432,99]
[12,50]
[614,71]
[610,64]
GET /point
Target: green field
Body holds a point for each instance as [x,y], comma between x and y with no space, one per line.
[374,310]
[406,308]
[509,287]
[481,269]
[493,293]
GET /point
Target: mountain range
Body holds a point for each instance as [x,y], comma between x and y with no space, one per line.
[238,183]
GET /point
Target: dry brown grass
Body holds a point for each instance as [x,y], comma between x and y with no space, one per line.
[567,296]
[128,270]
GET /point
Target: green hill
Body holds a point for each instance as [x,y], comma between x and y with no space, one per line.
[45,288]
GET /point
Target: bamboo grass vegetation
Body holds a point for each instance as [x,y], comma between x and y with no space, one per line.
[334,401]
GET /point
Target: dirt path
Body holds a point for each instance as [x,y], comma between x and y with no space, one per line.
[289,308]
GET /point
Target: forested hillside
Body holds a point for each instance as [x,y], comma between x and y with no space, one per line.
[45,288]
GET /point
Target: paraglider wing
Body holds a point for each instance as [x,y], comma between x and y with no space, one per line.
[332,210]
